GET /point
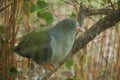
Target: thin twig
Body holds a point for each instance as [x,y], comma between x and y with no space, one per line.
[103,11]
[68,2]
[76,2]
[112,4]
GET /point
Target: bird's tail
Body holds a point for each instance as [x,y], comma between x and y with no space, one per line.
[20,52]
[15,49]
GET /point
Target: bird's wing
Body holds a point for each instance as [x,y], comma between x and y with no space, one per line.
[34,38]
[35,45]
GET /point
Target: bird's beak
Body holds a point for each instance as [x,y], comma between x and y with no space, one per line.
[78,28]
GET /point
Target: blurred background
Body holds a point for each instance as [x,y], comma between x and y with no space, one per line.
[99,60]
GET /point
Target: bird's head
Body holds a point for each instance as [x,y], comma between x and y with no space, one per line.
[69,25]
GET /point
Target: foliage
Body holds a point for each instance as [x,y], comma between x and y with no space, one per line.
[41,8]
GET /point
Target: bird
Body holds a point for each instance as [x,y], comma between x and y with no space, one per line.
[49,45]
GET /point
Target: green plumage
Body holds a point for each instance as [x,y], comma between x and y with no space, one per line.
[36,42]
[37,37]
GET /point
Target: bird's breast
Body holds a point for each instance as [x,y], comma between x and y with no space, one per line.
[61,47]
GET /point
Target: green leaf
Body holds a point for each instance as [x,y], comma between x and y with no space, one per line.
[42,4]
[33,8]
[47,16]
[69,64]
[72,15]
[39,6]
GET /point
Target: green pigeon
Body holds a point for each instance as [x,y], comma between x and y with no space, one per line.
[49,45]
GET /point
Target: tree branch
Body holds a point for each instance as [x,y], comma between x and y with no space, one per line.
[84,12]
[103,11]
[109,21]
[103,24]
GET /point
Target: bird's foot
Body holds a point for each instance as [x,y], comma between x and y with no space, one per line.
[50,67]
